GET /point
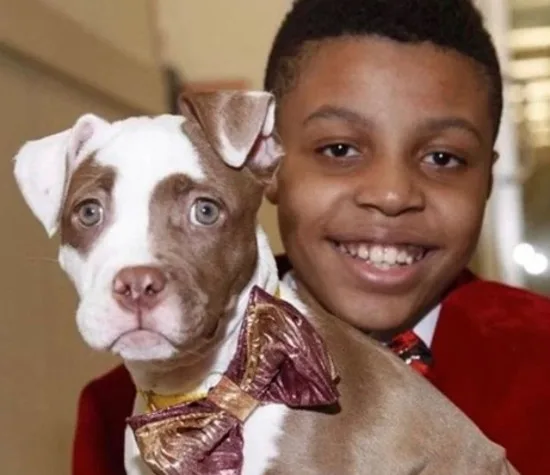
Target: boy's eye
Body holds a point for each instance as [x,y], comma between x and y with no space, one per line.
[338,150]
[443,160]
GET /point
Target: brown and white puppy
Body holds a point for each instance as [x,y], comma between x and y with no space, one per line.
[159,234]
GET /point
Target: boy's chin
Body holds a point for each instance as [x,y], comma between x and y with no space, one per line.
[375,312]
[379,317]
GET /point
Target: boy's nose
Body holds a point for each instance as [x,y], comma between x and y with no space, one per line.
[389,187]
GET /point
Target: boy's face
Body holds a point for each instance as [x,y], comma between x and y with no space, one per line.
[387,170]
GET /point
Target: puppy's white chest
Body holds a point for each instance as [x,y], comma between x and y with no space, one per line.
[262,432]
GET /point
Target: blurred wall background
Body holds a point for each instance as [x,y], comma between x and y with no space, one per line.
[529,41]
[515,246]
[62,58]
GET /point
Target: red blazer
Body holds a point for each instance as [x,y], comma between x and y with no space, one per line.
[491,351]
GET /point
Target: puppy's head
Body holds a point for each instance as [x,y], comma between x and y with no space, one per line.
[157,217]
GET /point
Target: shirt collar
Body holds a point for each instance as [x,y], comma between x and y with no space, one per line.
[425,328]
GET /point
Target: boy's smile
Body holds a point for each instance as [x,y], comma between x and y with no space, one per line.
[388,168]
[388,259]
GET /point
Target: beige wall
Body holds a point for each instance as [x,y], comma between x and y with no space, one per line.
[44,363]
[212,39]
[125,24]
[55,40]
[208,40]
[52,70]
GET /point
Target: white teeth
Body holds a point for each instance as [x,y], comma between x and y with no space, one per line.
[383,257]
[363,251]
[390,255]
[376,254]
[402,257]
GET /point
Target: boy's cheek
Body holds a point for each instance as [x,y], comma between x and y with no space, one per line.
[308,203]
[281,184]
[462,220]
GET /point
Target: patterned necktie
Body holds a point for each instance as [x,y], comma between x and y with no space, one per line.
[412,350]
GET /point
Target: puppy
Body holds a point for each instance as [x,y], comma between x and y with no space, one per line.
[159,235]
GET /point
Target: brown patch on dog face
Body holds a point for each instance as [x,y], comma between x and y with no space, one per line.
[207,264]
[88,199]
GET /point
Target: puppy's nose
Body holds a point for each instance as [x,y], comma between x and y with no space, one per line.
[138,288]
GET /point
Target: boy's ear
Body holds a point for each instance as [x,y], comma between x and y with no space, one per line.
[495,158]
[43,167]
[272,190]
[240,127]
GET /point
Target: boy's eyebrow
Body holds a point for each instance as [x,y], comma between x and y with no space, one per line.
[334,112]
[436,124]
[439,124]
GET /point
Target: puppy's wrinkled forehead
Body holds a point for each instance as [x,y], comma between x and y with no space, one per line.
[121,173]
[143,177]
[146,150]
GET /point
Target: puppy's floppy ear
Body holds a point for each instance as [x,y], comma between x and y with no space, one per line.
[239,125]
[43,167]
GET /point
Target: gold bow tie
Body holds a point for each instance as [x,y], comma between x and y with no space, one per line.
[280,359]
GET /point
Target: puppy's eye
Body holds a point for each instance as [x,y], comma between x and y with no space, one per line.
[89,213]
[205,212]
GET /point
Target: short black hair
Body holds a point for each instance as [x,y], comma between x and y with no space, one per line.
[450,24]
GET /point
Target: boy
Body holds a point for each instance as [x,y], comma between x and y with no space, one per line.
[388,112]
